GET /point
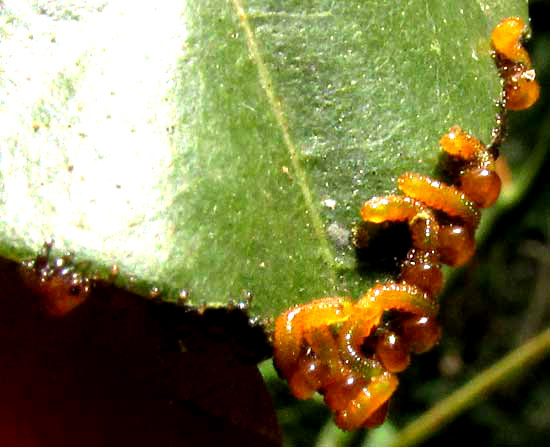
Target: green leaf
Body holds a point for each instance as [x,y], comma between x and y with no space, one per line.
[222,148]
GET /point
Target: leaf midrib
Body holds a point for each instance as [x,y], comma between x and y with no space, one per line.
[276,106]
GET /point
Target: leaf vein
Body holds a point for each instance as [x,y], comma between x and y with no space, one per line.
[266,83]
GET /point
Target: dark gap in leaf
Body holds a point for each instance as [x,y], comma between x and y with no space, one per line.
[381,247]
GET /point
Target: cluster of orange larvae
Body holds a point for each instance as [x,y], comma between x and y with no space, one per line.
[350,351]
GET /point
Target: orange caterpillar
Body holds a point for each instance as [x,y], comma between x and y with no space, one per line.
[61,289]
[350,351]
[520,87]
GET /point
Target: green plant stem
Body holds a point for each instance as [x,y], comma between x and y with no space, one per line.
[332,436]
[479,387]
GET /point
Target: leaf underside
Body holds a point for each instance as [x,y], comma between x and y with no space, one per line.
[222,148]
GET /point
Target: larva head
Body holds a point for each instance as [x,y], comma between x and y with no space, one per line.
[522,90]
[420,332]
[481,186]
[392,351]
[456,244]
[424,229]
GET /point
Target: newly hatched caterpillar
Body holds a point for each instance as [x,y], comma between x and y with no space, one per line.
[59,286]
[520,87]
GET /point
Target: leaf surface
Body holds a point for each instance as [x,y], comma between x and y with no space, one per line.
[219,149]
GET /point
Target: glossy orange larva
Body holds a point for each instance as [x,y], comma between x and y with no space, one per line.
[481,186]
[478,181]
[522,89]
[393,352]
[291,327]
[456,244]
[520,86]
[334,364]
[420,332]
[60,288]
[344,349]
[506,40]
